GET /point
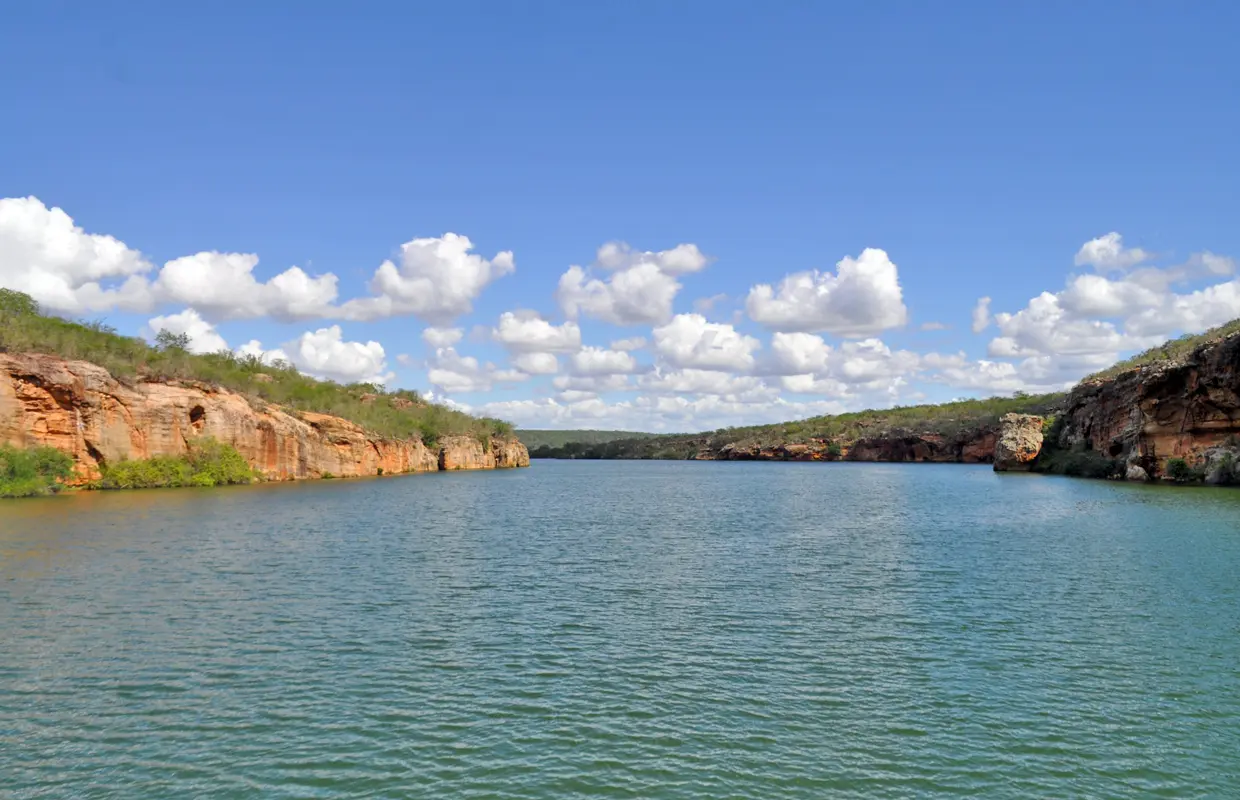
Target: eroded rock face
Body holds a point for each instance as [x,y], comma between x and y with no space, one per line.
[1151,414]
[1019,442]
[79,408]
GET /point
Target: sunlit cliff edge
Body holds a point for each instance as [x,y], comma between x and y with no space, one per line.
[83,410]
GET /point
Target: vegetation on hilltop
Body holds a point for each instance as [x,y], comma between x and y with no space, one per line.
[1172,352]
[398,414]
[945,419]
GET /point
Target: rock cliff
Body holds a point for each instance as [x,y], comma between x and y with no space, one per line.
[975,446]
[1020,441]
[1188,409]
[78,407]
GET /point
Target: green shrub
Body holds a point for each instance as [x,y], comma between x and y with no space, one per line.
[834,449]
[32,472]
[208,463]
[1179,470]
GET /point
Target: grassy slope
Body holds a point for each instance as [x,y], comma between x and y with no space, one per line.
[24,329]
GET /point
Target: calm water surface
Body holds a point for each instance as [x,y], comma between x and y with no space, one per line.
[625,629]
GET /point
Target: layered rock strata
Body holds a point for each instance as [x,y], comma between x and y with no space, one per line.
[81,409]
[1187,409]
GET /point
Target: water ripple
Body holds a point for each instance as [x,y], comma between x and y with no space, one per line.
[641,630]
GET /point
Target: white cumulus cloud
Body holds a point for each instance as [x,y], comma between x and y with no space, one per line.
[536,363]
[797,353]
[1108,252]
[526,332]
[862,297]
[223,286]
[325,353]
[630,344]
[600,361]
[450,372]
[702,381]
[981,315]
[639,290]
[46,255]
[442,337]
[434,279]
[689,341]
[681,259]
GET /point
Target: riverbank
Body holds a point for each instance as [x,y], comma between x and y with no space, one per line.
[80,409]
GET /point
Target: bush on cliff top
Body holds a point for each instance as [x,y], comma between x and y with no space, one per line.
[33,472]
[397,414]
[1174,351]
[208,463]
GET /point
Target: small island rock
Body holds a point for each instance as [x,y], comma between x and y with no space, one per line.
[1019,442]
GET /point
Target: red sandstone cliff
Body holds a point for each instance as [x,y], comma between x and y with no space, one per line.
[78,407]
[1186,409]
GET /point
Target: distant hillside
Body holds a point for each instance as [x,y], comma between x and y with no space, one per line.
[956,424]
[533,439]
[949,431]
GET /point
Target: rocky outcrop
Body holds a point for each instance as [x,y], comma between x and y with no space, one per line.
[465,452]
[1145,416]
[1019,442]
[509,453]
[79,408]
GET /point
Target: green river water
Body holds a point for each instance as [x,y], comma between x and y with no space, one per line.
[625,630]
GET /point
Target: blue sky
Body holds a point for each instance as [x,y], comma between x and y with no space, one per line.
[979,146]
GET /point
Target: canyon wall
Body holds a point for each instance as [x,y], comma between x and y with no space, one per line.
[79,408]
[1187,409]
